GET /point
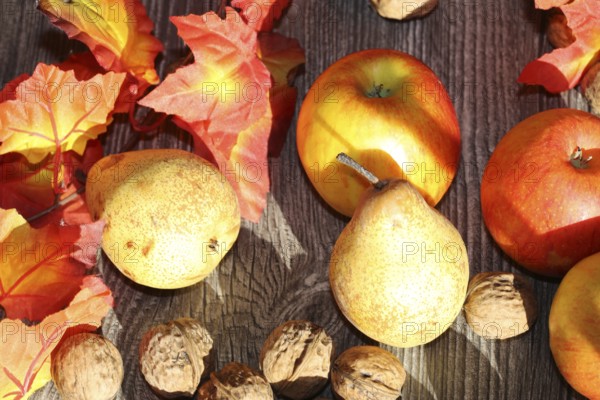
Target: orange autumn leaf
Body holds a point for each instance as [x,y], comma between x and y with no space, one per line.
[223,93]
[53,113]
[261,15]
[548,4]
[116,31]
[562,68]
[42,269]
[282,56]
[85,66]
[246,168]
[26,350]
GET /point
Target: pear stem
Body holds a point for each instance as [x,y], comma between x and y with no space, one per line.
[352,163]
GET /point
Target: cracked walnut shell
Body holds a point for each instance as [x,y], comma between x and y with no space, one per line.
[175,356]
[236,381]
[590,86]
[87,366]
[500,305]
[367,372]
[403,9]
[296,359]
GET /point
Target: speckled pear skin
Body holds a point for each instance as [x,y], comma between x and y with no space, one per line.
[170,215]
[399,270]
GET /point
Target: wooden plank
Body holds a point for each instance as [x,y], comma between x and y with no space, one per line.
[278,268]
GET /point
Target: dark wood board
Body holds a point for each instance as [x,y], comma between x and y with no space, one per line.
[278,268]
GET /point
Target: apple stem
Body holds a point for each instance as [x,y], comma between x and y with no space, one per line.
[378,91]
[577,159]
[352,163]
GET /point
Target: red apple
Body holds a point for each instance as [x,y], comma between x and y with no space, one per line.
[540,197]
[389,112]
[575,327]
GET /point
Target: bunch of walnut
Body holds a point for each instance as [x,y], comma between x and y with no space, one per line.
[296,359]
[295,363]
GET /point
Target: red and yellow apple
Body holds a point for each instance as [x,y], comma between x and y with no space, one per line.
[575,327]
[540,197]
[388,111]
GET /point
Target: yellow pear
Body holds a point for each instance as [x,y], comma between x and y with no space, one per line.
[170,215]
[399,270]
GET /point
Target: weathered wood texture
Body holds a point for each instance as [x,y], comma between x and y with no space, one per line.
[278,268]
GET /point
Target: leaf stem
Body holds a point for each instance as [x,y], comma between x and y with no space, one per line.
[222,11]
[140,126]
[352,163]
[57,204]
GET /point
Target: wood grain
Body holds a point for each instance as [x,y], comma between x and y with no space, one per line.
[278,268]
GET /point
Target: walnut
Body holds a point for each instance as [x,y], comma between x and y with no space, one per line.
[175,356]
[236,382]
[403,9]
[558,32]
[87,366]
[590,86]
[296,359]
[500,305]
[367,372]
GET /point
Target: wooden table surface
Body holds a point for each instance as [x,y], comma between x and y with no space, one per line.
[278,268]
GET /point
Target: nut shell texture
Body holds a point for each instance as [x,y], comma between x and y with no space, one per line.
[236,382]
[404,9]
[367,372]
[174,357]
[500,305]
[87,366]
[296,359]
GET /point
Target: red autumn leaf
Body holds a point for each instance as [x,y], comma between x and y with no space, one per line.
[261,14]
[28,187]
[9,92]
[53,113]
[223,93]
[282,56]
[84,65]
[117,32]
[25,361]
[24,186]
[562,68]
[42,269]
